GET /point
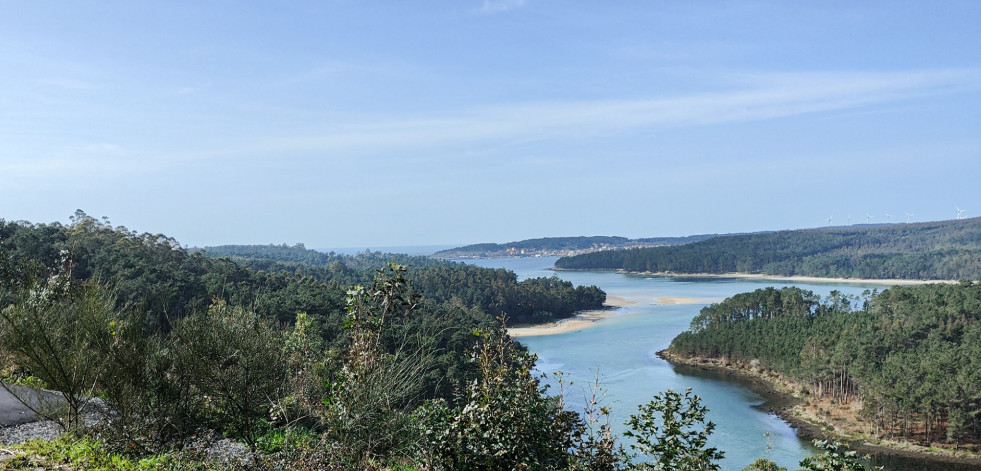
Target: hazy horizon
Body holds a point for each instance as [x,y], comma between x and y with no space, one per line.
[429,249]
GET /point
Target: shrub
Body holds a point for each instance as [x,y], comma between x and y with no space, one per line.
[51,335]
[669,430]
[836,457]
[763,464]
[151,402]
[370,398]
[233,359]
[506,421]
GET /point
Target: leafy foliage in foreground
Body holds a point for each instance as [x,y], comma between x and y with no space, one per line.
[835,458]
[945,250]
[670,429]
[52,333]
[505,420]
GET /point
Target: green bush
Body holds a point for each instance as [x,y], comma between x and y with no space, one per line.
[763,464]
[51,335]
[836,457]
[152,402]
[233,359]
[669,430]
[505,421]
[367,411]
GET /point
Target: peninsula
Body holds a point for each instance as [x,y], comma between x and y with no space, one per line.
[939,250]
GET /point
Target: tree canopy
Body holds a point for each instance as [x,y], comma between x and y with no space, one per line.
[908,355]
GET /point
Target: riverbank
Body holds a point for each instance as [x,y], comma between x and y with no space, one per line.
[579,321]
[759,276]
[822,419]
[798,279]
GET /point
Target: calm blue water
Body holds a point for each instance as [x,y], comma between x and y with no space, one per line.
[622,348]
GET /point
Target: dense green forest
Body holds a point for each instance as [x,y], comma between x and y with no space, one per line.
[170,282]
[562,244]
[494,291]
[945,250]
[298,257]
[908,356]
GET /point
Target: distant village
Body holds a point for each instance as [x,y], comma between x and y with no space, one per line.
[464,252]
[563,246]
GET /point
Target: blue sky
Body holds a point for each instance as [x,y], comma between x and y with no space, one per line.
[353,123]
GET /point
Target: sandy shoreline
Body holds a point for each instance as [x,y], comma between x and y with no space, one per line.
[588,318]
[576,322]
[579,321]
[802,279]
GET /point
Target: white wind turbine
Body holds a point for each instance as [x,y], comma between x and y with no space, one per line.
[908,215]
[868,218]
[829,220]
[960,212]
[888,217]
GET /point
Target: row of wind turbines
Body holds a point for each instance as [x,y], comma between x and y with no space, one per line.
[868,217]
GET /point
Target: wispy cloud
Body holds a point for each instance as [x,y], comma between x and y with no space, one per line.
[750,97]
[501,6]
[86,161]
[757,96]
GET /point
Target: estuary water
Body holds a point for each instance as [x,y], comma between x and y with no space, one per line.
[622,349]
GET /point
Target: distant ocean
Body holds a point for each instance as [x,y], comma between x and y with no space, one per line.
[403,249]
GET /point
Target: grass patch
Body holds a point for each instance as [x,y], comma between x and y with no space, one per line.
[73,453]
[281,439]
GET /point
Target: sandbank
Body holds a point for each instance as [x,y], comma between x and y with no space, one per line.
[579,321]
[576,322]
[617,301]
[588,318]
[671,300]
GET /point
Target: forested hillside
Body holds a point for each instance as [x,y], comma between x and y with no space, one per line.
[944,250]
[496,292]
[154,275]
[297,256]
[908,356]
